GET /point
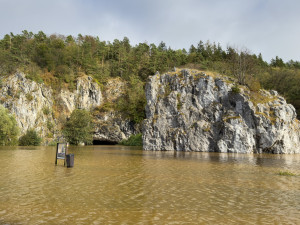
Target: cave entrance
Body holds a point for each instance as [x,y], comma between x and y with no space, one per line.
[99,142]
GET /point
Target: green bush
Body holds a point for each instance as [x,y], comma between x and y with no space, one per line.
[133,140]
[50,125]
[105,107]
[46,110]
[30,138]
[78,128]
[286,173]
[52,143]
[235,89]
[29,97]
[9,129]
[133,103]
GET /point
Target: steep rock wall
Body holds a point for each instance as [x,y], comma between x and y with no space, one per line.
[191,111]
[110,125]
[86,96]
[33,104]
[29,101]
[39,107]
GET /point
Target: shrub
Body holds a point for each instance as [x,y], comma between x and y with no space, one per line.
[29,97]
[46,110]
[253,84]
[9,129]
[105,107]
[52,143]
[133,140]
[133,103]
[78,128]
[235,89]
[286,173]
[30,138]
[50,125]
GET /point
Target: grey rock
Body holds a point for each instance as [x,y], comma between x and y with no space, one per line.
[28,100]
[33,103]
[192,111]
[86,96]
[112,127]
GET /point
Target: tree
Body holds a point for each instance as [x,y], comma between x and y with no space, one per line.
[277,62]
[242,64]
[78,128]
[9,129]
[134,101]
[30,138]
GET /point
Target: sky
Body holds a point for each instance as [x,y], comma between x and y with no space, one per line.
[270,27]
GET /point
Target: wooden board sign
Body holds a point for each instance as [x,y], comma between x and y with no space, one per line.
[61,151]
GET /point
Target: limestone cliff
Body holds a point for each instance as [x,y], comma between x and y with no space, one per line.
[29,101]
[36,106]
[86,96]
[111,125]
[191,111]
[39,107]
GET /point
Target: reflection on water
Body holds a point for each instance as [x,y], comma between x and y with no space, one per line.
[119,185]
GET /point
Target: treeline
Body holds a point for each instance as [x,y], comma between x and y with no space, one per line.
[65,57]
[58,60]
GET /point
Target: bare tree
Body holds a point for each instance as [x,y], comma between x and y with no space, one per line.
[242,64]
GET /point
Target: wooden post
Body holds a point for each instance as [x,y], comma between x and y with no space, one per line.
[56,154]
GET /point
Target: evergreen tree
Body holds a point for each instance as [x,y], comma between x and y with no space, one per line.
[277,62]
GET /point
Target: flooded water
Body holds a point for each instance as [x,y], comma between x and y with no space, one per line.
[119,185]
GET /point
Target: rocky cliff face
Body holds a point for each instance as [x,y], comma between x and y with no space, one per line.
[39,107]
[29,101]
[86,96]
[191,111]
[110,125]
[34,104]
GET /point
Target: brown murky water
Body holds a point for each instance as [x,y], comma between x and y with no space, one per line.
[119,185]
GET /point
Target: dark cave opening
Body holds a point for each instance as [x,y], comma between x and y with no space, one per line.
[100,142]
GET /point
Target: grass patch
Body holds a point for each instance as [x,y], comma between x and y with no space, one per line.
[167,90]
[272,117]
[29,97]
[258,98]
[133,140]
[231,118]
[286,173]
[46,110]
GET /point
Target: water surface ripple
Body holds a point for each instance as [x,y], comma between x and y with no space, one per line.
[123,185]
